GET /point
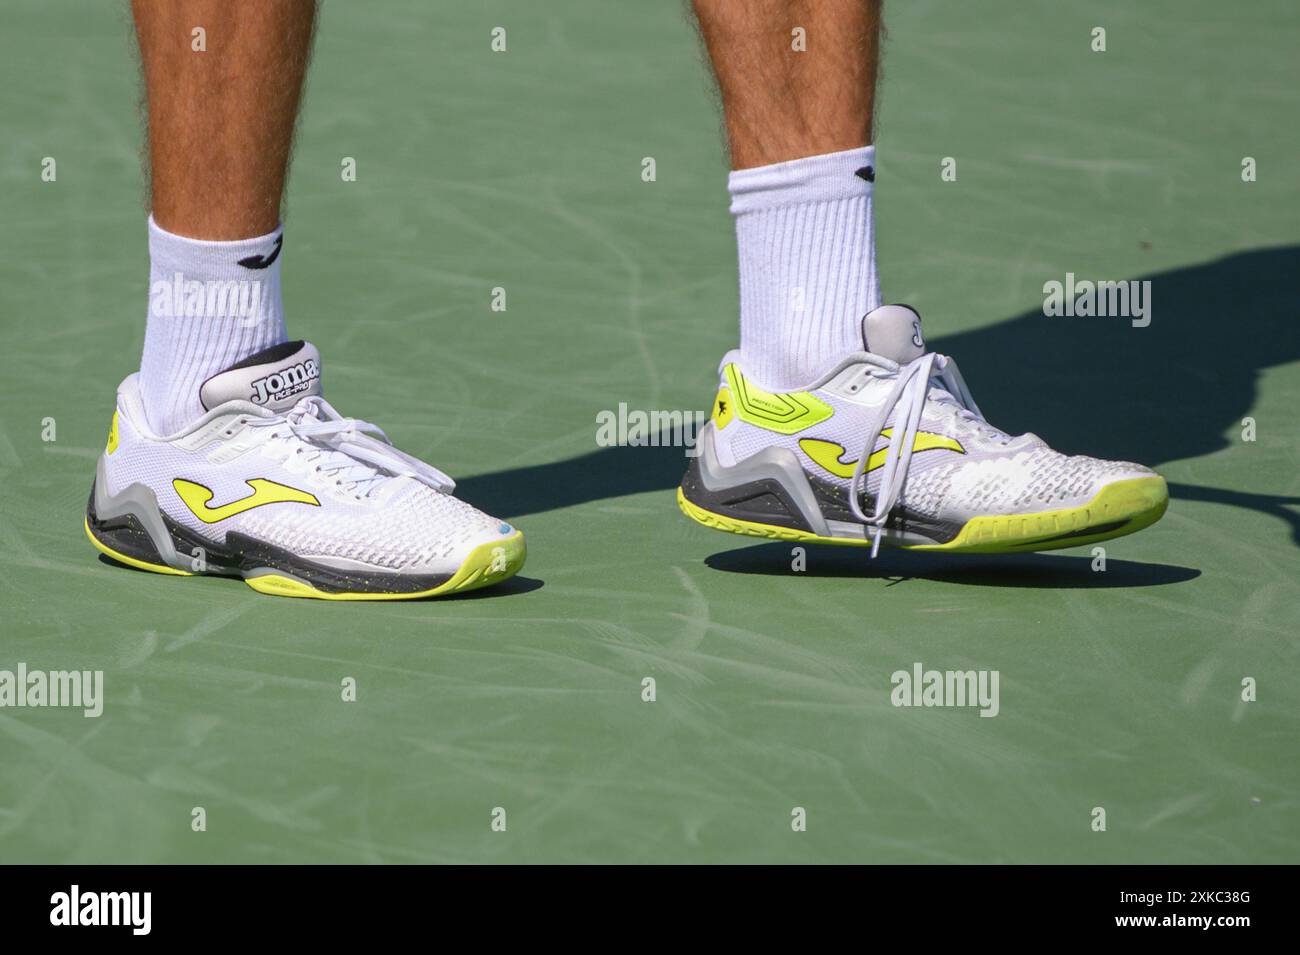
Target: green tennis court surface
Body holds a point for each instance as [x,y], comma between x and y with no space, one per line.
[1119,689]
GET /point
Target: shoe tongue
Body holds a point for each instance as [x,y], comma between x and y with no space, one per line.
[893,332]
[275,378]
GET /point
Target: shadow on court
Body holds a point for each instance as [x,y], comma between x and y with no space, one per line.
[1174,390]
[1049,571]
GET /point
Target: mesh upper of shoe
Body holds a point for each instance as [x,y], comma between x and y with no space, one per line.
[407,526]
[991,477]
[1022,483]
[417,527]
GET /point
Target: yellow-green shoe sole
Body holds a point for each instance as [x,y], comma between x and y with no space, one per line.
[1117,509]
[487,564]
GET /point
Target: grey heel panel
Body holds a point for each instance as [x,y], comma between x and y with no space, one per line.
[130,522]
[771,487]
[768,487]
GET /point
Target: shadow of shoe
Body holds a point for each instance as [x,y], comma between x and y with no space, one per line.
[517,584]
[1053,571]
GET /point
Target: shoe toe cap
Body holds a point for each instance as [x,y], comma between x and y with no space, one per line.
[446,554]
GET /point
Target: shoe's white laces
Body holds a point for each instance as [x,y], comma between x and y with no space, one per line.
[906,402]
[356,453]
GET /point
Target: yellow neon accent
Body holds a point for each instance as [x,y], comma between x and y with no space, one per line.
[112,435]
[722,408]
[196,497]
[784,413]
[488,563]
[131,561]
[828,454]
[1137,503]
[735,525]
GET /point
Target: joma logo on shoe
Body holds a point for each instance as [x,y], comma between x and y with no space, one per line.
[196,497]
[286,382]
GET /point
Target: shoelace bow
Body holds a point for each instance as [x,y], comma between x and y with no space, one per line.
[906,402]
[355,452]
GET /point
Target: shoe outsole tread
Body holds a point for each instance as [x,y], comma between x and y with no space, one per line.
[488,564]
[1119,508]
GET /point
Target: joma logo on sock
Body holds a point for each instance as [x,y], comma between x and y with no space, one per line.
[75,907]
[285,382]
[1128,299]
[922,687]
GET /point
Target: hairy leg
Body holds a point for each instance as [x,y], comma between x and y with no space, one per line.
[798,82]
[221,121]
[223,79]
[780,103]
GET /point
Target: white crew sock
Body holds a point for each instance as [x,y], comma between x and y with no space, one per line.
[207,311]
[807,250]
